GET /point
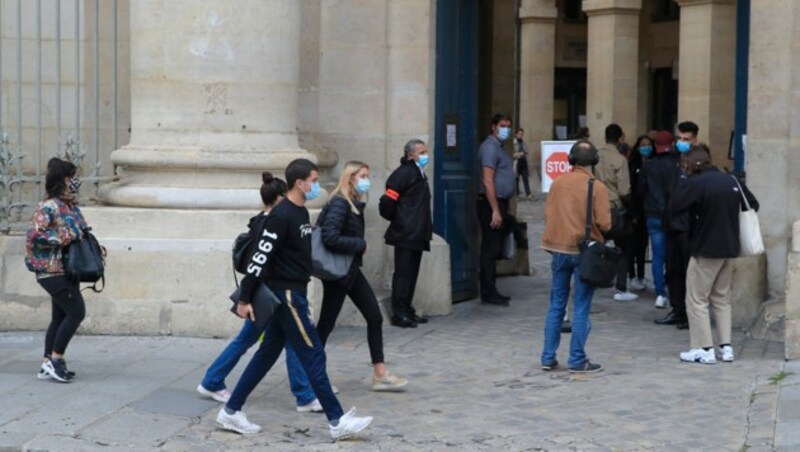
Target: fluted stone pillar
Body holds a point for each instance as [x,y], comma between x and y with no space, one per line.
[214,102]
[612,74]
[707,71]
[537,64]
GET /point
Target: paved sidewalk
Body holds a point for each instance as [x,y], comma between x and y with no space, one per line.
[475,385]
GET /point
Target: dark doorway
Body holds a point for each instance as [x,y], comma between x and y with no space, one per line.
[665,100]
[456,143]
[569,101]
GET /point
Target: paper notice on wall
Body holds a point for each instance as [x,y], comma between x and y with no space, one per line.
[561,132]
[581,120]
[451,135]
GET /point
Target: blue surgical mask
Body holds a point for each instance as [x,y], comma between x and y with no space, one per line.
[503,133]
[362,186]
[312,195]
[645,151]
[423,160]
[683,146]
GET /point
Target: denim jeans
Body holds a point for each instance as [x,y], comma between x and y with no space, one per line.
[658,246]
[565,267]
[291,323]
[214,379]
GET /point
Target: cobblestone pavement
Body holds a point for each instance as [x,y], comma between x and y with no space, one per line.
[475,385]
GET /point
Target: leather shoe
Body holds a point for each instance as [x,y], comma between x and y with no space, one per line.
[403,322]
[494,300]
[502,297]
[670,319]
[419,319]
[566,326]
[682,325]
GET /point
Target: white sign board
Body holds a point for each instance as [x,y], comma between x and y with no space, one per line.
[554,161]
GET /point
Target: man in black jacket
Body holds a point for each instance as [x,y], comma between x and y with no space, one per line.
[407,205]
[713,200]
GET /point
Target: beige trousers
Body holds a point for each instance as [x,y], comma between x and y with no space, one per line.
[708,282]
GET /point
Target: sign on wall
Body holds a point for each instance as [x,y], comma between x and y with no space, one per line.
[554,161]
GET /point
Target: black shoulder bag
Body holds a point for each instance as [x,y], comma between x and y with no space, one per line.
[83,260]
[598,262]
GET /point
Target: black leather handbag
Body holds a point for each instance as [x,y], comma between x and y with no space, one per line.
[598,262]
[83,260]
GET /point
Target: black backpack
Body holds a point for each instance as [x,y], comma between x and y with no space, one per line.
[244,246]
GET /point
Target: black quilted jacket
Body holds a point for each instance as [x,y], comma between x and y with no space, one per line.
[343,231]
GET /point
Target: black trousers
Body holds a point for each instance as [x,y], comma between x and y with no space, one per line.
[69,310]
[639,240]
[404,281]
[522,173]
[364,298]
[677,262]
[625,244]
[491,244]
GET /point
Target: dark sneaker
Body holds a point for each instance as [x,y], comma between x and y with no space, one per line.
[547,367]
[566,327]
[57,369]
[586,368]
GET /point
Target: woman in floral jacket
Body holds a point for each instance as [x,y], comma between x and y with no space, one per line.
[56,223]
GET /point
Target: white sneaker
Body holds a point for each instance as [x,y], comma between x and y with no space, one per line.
[43,375]
[236,422]
[637,284]
[625,296]
[726,353]
[349,425]
[698,355]
[223,395]
[661,302]
[313,407]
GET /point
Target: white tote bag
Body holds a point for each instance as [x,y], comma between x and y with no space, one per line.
[750,239]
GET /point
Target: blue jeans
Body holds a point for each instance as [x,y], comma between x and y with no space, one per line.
[564,267]
[222,366]
[658,246]
[290,323]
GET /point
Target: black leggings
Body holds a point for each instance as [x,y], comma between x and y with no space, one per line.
[364,298]
[68,312]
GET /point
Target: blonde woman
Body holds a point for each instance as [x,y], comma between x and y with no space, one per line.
[342,226]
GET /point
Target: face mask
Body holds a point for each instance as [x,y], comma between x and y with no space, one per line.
[504,133]
[682,146]
[362,186]
[74,185]
[311,195]
[423,160]
[645,151]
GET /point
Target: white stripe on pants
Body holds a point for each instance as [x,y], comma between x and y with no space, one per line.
[708,282]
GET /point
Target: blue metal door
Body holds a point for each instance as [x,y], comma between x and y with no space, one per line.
[456,139]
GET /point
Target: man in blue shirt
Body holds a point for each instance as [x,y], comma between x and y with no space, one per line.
[496,185]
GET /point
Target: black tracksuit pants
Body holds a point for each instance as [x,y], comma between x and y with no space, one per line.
[491,244]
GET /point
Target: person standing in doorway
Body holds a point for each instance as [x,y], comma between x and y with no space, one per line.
[656,183]
[495,188]
[407,206]
[678,246]
[612,171]
[564,230]
[521,156]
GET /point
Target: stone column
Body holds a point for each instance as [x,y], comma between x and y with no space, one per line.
[213,102]
[537,73]
[612,74]
[707,71]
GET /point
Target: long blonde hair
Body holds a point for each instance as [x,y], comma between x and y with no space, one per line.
[346,188]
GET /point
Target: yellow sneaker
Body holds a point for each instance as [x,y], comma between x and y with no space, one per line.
[388,382]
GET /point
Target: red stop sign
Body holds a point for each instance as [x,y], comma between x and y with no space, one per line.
[557,165]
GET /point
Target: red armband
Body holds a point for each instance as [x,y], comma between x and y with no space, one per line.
[393,195]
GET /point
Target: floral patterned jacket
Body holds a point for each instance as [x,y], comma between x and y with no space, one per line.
[55,225]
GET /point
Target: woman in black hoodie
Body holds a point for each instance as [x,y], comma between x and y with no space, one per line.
[342,223]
